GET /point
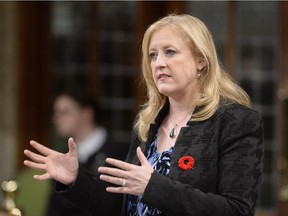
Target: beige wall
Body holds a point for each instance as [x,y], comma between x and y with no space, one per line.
[7,91]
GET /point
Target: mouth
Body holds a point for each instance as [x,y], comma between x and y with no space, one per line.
[163,76]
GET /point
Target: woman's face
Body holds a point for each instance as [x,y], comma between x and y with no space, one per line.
[174,66]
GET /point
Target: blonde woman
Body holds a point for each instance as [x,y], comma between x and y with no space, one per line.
[197,145]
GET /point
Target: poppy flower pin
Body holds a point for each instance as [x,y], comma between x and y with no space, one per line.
[186,162]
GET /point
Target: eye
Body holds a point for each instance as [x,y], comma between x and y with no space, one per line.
[170,52]
[153,55]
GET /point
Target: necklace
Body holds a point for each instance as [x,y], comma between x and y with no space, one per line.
[173,131]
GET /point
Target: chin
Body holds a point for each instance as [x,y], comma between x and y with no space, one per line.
[164,90]
[165,93]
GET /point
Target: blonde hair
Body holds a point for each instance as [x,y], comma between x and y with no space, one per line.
[215,84]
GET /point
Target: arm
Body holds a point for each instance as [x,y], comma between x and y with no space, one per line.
[73,182]
[89,193]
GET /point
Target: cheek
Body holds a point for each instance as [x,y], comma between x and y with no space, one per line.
[66,123]
[190,71]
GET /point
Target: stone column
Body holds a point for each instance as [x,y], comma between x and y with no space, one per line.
[7,91]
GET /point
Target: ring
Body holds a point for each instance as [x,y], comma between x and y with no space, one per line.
[123,182]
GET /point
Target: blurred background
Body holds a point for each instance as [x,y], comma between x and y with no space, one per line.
[95,44]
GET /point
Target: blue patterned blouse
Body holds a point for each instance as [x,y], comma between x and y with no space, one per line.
[161,164]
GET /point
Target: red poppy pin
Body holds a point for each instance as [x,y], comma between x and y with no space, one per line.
[186,162]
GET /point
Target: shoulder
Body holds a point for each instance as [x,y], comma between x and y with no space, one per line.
[237,121]
[234,111]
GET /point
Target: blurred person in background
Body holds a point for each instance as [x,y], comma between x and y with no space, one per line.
[76,114]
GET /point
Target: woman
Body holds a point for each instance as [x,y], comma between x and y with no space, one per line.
[196,148]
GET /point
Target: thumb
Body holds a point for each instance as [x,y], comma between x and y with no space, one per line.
[72,146]
[143,160]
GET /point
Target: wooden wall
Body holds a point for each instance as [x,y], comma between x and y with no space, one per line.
[32,69]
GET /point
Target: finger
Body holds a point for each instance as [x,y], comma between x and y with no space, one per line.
[120,164]
[72,146]
[112,172]
[42,177]
[123,190]
[34,165]
[112,180]
[40,148]
[143,160]
[35,157]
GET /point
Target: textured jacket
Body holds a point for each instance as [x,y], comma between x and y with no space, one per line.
[228,153]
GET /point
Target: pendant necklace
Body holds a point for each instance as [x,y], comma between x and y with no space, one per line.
[173,131]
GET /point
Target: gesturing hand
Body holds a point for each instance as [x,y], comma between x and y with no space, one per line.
[131,178]
[57,166]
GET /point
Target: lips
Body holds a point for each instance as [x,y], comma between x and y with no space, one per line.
[163,76]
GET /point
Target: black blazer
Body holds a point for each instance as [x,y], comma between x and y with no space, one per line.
[228,153]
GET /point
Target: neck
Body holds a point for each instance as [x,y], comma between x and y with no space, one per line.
[178,116]
[185,105]
[179,119]
[180,111]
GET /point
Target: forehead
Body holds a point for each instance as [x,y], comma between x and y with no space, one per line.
[65,101]
[167,35]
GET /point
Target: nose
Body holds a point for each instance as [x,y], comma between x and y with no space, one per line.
[160,62]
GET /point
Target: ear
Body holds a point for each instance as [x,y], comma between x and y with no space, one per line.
[201,63]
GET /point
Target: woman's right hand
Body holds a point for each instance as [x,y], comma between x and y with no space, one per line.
[58,166]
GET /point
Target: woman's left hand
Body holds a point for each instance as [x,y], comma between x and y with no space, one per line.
[131,178]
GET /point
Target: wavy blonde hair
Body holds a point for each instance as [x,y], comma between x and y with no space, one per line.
[214,82]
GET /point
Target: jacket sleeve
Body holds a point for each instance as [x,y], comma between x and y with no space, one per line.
[89,193]
[240,155]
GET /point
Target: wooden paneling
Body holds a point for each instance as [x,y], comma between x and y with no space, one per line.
[32,75]
[282,117]
[283,19]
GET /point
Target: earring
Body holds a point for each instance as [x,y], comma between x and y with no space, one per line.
[199,74]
